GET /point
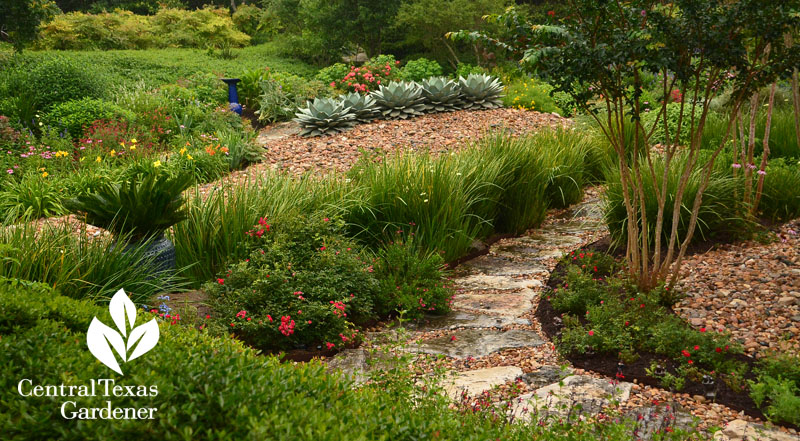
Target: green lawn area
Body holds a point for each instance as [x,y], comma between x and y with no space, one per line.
[163,66]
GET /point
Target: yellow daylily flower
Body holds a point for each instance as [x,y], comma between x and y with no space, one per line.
[113,152]
[132,148]
[133,140]
[45,174]
[189,157]
[157,164]
[98,159]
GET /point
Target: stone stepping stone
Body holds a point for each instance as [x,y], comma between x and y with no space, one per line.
[478,381]
[504,303]
[499,266]
[356,364]
[577,227]
[651,420]
[483,281]
[576,395]
[546,375]
[740,430]
[461,319]
[478,342]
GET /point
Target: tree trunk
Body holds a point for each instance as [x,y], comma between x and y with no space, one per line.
[765,155]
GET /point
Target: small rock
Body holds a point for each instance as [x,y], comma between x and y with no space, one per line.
[786,301]
[699,399]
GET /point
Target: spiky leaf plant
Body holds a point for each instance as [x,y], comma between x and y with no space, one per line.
[481,91]
[441,95]
[400,100]
[363,107]
[324,116]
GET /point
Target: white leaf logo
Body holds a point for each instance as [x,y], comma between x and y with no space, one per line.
[101,338]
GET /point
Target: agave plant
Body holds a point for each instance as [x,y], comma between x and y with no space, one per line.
[362,106]
[481,91]
[400,100]
[441,95]
[324,116]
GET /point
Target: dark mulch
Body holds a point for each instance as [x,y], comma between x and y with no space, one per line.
[607,364]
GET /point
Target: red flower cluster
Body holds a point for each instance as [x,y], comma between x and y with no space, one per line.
[365,78]
[287,325]
[338,309]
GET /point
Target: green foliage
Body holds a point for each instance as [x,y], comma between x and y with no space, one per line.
[466,69]
[82,267]
[777,388]
[21,19]
[125,30]
[143,206]
[441,94]
[273,103]
[420,69]
[411,281]
[303,284]
[255,395]
[77,115]
[605,314]
[241,148]
[331,74]
[530,94]
[717,215]
[257,23]
[399,100]
[31,197]
[781,197]
[673,116]
[324,116]
[51,82]
[280,93]
[425,22]
[481,91]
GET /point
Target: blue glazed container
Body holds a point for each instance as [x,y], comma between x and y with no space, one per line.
[233,94]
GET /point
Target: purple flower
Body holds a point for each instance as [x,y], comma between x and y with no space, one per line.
[761,172]
[644,13]
[9,171]
[736,165]
[751,166]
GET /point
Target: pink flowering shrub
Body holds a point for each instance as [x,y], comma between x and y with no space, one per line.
[303,286]
[368,77]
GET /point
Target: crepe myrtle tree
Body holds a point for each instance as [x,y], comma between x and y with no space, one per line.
[601,54]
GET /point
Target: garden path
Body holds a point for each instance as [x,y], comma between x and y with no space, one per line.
[492,342]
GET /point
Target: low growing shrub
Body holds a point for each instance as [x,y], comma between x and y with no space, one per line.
[303,284]
[77,115]
[420,69]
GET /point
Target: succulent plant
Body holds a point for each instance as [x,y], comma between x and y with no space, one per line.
[324,116]
[399,100]
[481,91]
[441,95]
[363,107]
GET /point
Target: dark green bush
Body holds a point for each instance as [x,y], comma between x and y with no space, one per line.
[53,81]
[216,388]
[411,280]
[777,388]
[76,115]
[673,115]
[420,69]
[303,270]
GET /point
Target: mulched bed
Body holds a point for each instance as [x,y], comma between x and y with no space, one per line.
[437,133]
[608,364]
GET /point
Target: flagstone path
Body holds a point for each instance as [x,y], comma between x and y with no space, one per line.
[493,340]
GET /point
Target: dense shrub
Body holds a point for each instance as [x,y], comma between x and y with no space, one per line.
[378,70]
[412,282]
[225,389]
[335,72]
[777,388]
[125,30]
[257,23]
[420,69]
[77,115]
[673,116]
[303,284]
[53,81]
[530,94]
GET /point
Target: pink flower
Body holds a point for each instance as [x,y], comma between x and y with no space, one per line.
[329,345]
[333,83]
[591,333]
[761,172]
[221,281]
[736,165]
